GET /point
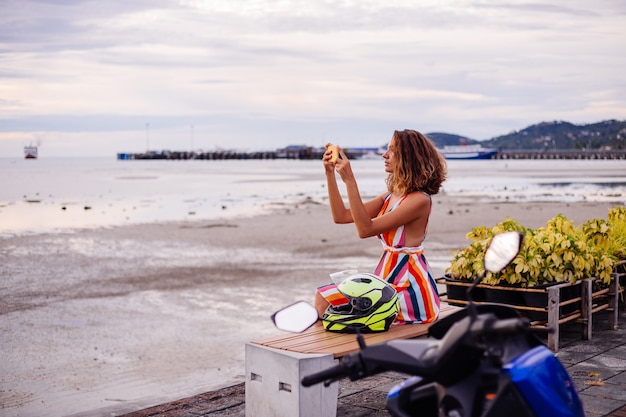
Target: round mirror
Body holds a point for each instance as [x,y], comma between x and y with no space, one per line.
[503,248]
[296,317]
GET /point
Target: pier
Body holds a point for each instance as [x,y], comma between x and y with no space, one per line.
[188,155]
[299,153]
[316,153]
[561,154]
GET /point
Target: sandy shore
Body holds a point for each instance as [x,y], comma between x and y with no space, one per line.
[107,321]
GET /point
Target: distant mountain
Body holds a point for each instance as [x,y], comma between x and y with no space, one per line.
[609,134]
[447,139]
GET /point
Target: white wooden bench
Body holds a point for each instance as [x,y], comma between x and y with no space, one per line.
[275,366]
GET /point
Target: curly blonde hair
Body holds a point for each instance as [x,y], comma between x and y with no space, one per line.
[418,165]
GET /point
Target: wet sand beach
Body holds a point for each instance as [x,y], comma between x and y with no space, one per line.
[111,320]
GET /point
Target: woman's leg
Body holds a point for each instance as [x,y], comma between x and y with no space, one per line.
[320,304]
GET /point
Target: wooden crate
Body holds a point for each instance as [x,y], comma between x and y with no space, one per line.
[547,306]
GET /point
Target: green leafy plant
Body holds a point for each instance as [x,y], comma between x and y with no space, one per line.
[557,252]
[599,242]
[617,232]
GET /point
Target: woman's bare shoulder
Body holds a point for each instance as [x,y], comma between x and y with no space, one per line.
[419,197]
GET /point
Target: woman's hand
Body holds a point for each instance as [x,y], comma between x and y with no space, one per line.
[343,167]
[329,165]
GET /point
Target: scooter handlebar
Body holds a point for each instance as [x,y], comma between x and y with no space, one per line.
[503,326]
[330,374]
[355,366]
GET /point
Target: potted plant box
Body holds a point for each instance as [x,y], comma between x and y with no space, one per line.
[563,272]
[530,302]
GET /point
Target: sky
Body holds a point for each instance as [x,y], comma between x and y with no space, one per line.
[93,78]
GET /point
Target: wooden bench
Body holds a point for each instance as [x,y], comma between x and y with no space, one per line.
[275,366]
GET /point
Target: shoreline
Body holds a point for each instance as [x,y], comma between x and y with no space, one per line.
[100,193]
[96,318]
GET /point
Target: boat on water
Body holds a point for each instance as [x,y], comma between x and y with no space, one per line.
[30,152]
[468,152]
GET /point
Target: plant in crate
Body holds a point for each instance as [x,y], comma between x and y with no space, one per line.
[617,244]
[557,252]
[617,233]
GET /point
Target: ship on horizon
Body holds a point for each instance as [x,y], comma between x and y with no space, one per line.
[30,152]
[467,152]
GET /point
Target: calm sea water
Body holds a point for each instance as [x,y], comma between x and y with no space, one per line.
[64,193]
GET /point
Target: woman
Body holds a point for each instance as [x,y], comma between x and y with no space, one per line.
[399,217]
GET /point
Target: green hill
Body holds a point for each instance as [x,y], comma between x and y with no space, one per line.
[609,134]
[447,139]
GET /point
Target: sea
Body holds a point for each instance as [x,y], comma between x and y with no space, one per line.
[61,194]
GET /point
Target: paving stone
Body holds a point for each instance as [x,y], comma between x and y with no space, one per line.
[610,391]
[598,406]
[619,379]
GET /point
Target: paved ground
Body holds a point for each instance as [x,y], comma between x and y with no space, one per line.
[598,367]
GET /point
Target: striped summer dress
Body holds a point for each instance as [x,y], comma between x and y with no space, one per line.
[407,270]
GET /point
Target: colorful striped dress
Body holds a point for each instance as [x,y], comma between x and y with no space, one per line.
[407,269]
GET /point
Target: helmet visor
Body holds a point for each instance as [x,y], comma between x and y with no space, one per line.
[364,304]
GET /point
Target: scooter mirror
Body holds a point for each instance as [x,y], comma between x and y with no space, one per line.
[503,248]
[296,317]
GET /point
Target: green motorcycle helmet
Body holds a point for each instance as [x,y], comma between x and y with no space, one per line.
[373,306]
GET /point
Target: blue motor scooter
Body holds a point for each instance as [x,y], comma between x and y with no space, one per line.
[484,360]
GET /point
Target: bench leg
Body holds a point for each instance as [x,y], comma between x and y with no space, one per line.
[554,300]
[586,309]
[614,302]
[273,384]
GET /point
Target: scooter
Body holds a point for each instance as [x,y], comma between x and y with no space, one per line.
[484,360]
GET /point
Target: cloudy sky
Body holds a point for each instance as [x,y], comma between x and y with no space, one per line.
[94,77]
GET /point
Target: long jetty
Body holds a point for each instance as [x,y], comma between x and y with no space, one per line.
[561,154]
[314,153]
[303,153]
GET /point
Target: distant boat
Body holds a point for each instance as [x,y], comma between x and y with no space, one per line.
[468,152]
[30,152]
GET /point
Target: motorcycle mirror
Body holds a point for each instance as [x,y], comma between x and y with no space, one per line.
[503,248]
[296,317]
[501,251]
